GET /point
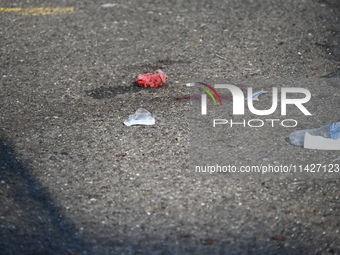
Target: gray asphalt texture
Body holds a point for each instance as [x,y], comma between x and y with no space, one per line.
[75,180]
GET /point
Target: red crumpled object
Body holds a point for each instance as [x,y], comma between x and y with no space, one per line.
[152,80]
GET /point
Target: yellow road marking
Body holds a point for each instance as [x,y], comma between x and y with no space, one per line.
[39,11]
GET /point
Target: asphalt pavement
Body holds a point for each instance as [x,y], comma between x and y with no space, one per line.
[75,180]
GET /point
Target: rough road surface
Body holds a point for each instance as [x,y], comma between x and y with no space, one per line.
[75,180]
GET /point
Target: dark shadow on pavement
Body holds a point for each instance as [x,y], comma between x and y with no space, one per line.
[30,222]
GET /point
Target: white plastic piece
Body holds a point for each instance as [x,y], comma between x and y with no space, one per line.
[320,143]
[108,5]
[329,132]
[140,117]
[191,84]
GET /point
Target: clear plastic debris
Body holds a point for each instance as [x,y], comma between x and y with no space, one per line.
[140,117]
[325,138]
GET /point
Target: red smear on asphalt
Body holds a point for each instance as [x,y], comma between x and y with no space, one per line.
[208,241]
[279,238]
[182,98]
[185,235]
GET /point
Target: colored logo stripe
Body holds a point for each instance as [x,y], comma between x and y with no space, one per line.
[209,93]
[39,11]
[213,90]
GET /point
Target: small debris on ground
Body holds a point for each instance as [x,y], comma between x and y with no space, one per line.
[108,5]
[289,212]
[123,154]
[152,80]
[140,117]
